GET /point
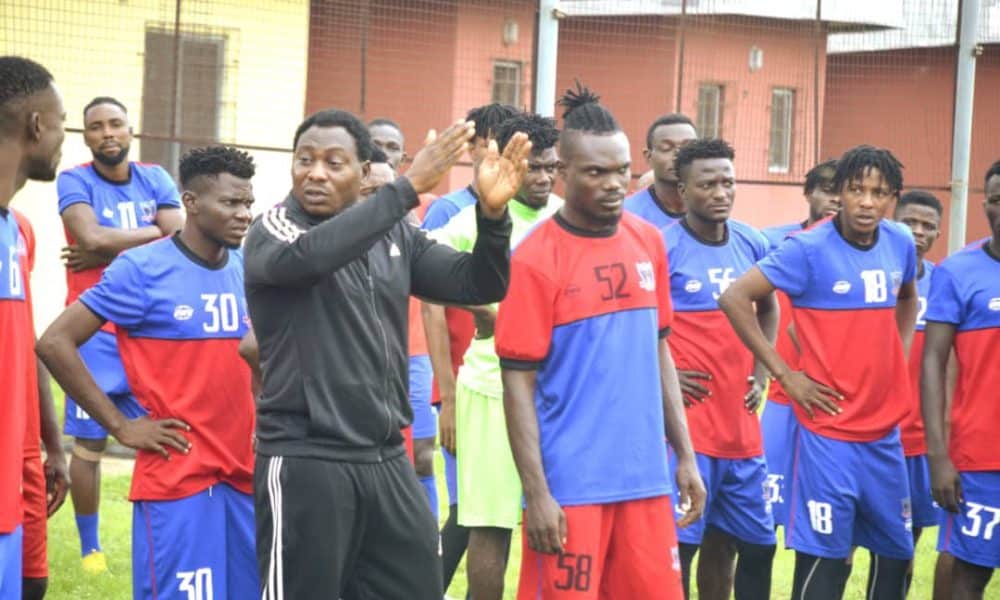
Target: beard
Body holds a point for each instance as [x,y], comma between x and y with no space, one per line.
[111,161]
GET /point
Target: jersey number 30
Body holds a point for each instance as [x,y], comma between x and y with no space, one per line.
[222,312]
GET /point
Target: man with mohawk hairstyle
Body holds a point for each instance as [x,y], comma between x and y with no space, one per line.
[590,387]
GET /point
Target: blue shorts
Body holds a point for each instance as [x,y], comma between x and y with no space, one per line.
[201,547]
[80,425]
[421,376]
[736,502]
[778,425]
[846,494]
[925,512]
[100,354]
[10,563]
[973,534]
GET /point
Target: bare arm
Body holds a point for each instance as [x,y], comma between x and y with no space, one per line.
[59,350]
[689,483]
[767,319]
[906,313]
[545,522]
[81,222]
[439,349]
[945,485]
[56,473]
[738,304]
[169,220]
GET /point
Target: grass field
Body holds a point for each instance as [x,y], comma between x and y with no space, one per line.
[67,581]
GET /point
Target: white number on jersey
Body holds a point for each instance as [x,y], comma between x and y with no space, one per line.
[921,310]
[976,527]
[721,278]
[222,309]
[876,288]
[126,213]
[197,584]
[14,272]
[820,516]
[772,489]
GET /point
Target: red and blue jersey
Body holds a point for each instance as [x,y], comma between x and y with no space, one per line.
[703,340]
[645,205]
[18,359]
[965,291]
[120,205]
[32,416]
[843,299]
[587,313]
[179,322]
[783,343]
[911,430]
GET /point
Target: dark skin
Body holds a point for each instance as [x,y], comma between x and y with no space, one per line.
[108,135]
[57,479]
[390,140]
[823,201]
[864,202]
[968,580]
[708,188]
[596,174]
[218,209]
[30,141]
[667,140]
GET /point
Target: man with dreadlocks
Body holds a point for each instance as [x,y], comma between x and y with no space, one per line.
[590,386]
[851,283]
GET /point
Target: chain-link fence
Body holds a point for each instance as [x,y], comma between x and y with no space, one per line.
[787,83]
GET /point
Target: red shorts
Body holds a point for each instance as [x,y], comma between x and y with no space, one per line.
[35,564]
[612,551]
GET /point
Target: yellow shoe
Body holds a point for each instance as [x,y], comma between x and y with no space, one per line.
[95,563]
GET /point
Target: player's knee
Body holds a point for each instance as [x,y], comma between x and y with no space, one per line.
[34,588]
[89,450]
[423,457]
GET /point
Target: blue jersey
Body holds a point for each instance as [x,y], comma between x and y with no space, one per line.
[645,205]
[777,234]
[703,340]
[586,312]
[965,292]
[911,430]
[843,299]
[444,208]
[179,323]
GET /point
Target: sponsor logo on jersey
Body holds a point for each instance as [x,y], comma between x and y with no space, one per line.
[183,312]
[647,280]
[841,287]
[693,286]
[107,213]
[994,304]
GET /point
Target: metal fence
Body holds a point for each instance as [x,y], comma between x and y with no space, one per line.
[786,83]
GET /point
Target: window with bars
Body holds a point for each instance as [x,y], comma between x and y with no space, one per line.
[710,110]
[507,82]
[779,150]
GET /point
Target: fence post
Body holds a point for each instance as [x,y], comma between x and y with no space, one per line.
[545,65]
[965,84]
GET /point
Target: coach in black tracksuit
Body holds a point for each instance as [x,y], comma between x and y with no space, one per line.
[340,513]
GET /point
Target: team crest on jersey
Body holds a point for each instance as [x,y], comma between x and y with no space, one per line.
[183,312]
[148,209]
[647,280]
[693,286]
[994,304]
[841,287]
[907,513]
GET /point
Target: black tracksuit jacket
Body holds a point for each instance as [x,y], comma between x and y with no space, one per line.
[329,303]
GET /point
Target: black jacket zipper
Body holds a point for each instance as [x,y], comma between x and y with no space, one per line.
[385,349]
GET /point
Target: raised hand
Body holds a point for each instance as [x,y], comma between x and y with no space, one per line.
[811,394]
[156,436]
[499,176]
[439,154]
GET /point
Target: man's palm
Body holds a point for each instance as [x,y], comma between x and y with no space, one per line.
[499,176]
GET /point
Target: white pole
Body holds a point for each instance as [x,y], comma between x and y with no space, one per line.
[965,84]
[545,66]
